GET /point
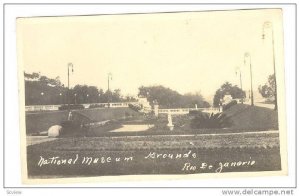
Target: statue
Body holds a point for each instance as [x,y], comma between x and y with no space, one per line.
[170,123]
[70,116]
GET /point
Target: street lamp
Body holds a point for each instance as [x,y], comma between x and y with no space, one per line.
[60,99]
[75,95]
[238,69]
[247,55]
[267,25]
[69,65]
[109,77]
[42,94]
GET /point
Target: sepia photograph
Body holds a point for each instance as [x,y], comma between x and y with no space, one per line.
[152,94]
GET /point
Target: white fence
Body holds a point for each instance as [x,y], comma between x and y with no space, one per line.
[187,110]
[112,105]
[120,105]
[55,107]
[41,107]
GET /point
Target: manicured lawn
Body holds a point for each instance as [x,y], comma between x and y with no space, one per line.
[252,117]
[209,150]
[108,113]
[262,147]
[259,139]
[244,118]
[41,121]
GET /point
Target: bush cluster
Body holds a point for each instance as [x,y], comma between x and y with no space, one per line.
[135,107]
[205,120]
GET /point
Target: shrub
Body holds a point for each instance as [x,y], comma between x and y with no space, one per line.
[160,124]
[72,107]
[194,112]
[205,120]
[69,128]
[135,107]
[180,120]
[149,118]
[77,125]
[229,105]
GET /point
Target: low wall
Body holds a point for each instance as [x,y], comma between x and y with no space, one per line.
[187,110]
[55,107]
[41,107]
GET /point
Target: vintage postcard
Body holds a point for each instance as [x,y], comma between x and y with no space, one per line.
[152,96]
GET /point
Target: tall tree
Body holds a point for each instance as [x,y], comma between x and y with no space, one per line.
[168,98]
[228,88]
[268,89]
[41,90]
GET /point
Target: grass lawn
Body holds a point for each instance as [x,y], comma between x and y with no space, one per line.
[41,121]
[108,113]
[244,118]
[215,150]
[260,139]
[211,150]
[252,117]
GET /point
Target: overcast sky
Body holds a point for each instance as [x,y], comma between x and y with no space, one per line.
[188,52]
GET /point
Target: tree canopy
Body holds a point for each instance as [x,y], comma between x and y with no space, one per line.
[268,90]
[40,90]
[168,98]
[228,88]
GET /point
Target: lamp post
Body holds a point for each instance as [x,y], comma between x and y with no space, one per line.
[75,95]
[109,77]
[60,98]
[42,99]
[247,55]
[238,69]
[68,99]
[266,25]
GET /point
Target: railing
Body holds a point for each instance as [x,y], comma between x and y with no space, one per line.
[112,105]
[187,110]
[55,107]
[122,104]
[41,107]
